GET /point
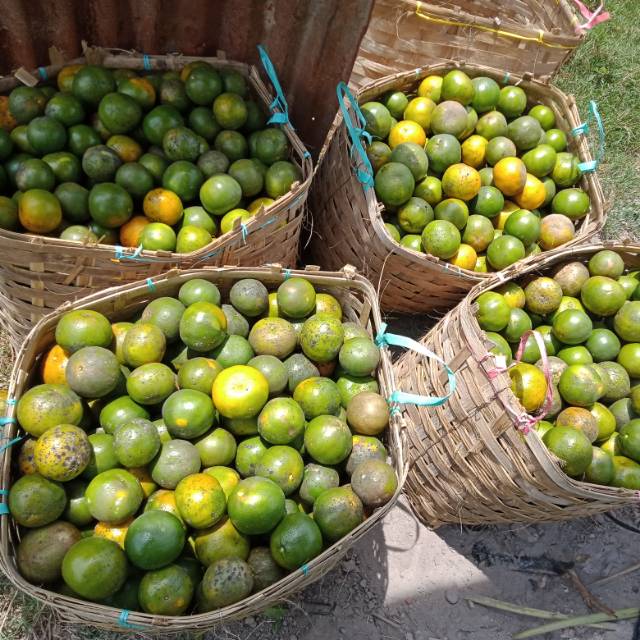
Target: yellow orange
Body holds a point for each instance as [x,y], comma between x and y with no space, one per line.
[465,258]
[130,231]
[474,151]
[66,76]
[533,195]
[461,181]
[145,479]
[510,175]
[254,206]
[431,87]
[162,205]
[419,110]
[500,220]
[127,148]
[407,131]
[481,264]
[7,121]
[114,532]
[53,366]
[146,86]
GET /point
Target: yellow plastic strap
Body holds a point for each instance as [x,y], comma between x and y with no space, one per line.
[509,34]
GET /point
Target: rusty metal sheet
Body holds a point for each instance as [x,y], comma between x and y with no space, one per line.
[313,43]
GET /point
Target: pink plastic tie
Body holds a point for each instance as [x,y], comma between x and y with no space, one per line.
[592,17]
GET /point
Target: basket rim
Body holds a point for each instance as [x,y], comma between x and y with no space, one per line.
[474,335]
[116,59]
[347,280]
[589,182]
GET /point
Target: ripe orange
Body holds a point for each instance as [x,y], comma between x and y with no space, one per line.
[431,87]
[240,392]
[407,131]
[532,195]
[510,175]
[162,205]
[465,257]
[474,151]
[52,368]
[130,231]
[461,181]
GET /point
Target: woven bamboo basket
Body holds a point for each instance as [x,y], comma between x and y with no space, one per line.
[525,35]
[348,224]
[468,461]
[38,273]
[359,304]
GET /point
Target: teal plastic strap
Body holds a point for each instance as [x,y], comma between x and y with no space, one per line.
[6,420]
[507,75]
[43,73]
[279,102]
[151,284]
[580,129]
[123,620]
[402,397]
[305,569]
[356,133]
[244,231]
[121,255]
[286,274]
[10,402]
[11,443]
[592,165]
[146,63]
[4,509]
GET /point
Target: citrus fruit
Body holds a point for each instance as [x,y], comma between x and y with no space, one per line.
[629,358]
[316,480]
[430,190]
[225,582]
[374,482]
[280,178]
[474,151]
[523,225]
[136,442]
[453,210]
[273,370]
[240,392]
[532,195]
[378,153]
[618,384]
[441,238]
[491,125]
[177,460]
[572,326]
[461,181]
[188,413]
[100,163]
[419,110]
[555,230]
[273,336]
[249,451]
[46,135]
[573,203]
[295,541]
[579,418]
[234,350]
[110,205]
[543,296]
[493,311]
[443,150]
[601,469]
[113,496]
[449,117]
[256,505]
[200,500]
[626,322]
[119,112]
[143,343]
[510,175]
[154,539]
[119,412]
[504,251]
[39,211]
[337,512]
[512,101]
[103,456]
[465,257]
[519,323]
[218,447]
[35,501]
[406,131]
[327,439]
[580,386]
[540,161]
[394,184]
[41,551]
[606,262]
[321,337]
[603,296]
[431,87]
[272,145]
[281,421]
[529,385]
[35,174]
[488,202]
[151,383]
[413,157]
[571,276]
[46,406]
[62,452]
[220,541]
[498,148]
[199,290]
[317,396]
[167,591]
[95,568]
[202,326]
[571,446]
[283,465]
[377,119]
[359,356]
[525,132]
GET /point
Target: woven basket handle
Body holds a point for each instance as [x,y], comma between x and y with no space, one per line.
[590,166]
[357,133]
[279,107]
[384,339]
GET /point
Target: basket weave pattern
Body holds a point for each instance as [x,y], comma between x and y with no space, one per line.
[468,462]
[359,305]
[534,36]
[348,223]
[38,274]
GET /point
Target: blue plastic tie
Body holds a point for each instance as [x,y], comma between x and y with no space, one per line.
[146,63]
[279,102]
[401,397]
[305,569]
[43,73]
[286,274]
[580,129]
[4,509]
[394,410]
[4,492]
[592,165]
[121,255]
[6,420]
[11,401]
[11,443]
[123,620]
[507,75]
[245,232]
[356,133]
[267,223]
[306,154]
[151,284]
